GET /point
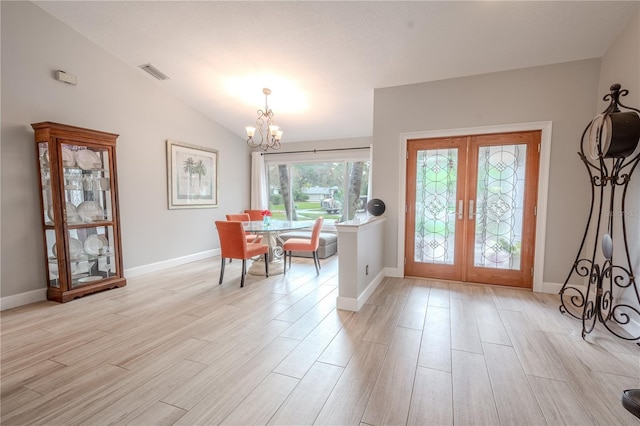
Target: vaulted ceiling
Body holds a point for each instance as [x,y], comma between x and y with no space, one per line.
[322,60]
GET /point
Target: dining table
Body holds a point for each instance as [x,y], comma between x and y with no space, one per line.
[270,233]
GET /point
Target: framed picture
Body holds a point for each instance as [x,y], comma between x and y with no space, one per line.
[192,173]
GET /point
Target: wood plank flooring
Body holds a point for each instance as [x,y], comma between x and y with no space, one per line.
[176,348]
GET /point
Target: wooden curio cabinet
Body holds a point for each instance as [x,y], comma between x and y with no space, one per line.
[79,210]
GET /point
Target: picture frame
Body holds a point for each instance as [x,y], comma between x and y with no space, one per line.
[192,176]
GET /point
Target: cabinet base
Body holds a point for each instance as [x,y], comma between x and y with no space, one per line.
[64,296]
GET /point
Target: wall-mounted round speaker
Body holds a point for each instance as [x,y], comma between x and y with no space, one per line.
[617,134]
[375,207]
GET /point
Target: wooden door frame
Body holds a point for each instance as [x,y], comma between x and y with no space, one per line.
[514,277]
[453,271]
[545,128]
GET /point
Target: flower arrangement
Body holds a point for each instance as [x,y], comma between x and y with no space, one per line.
[266,217]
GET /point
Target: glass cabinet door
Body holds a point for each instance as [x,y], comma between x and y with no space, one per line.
[86,214]
[88,201]
[44,159]
[91,254]
[87,184]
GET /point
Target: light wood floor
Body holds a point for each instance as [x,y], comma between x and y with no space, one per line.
[177,348]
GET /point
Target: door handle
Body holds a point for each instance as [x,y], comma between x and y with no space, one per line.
[460,209]
[472,213]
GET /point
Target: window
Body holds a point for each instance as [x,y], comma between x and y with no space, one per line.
[304,187]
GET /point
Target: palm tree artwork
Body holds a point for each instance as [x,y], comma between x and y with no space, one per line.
[193,172]
[191,168]
[200,169]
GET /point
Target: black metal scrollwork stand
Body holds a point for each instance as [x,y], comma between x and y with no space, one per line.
[609,174]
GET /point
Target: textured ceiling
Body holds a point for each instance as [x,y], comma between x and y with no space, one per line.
[322,60]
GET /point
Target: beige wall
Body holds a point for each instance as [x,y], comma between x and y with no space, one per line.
[113,97]
[561,93]
[621,64]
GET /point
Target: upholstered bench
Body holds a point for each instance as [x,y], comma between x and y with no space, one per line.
[328,245]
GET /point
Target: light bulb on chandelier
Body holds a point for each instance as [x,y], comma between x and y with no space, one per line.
[270,134]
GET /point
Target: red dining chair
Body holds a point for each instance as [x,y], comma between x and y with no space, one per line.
[233,245]
[254,214]
[244,217]
[305,244]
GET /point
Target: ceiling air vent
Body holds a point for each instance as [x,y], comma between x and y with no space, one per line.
[154,72]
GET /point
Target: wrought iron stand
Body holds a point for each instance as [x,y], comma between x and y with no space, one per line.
[609,177]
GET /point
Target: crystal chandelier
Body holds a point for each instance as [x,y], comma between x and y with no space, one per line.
[270,134]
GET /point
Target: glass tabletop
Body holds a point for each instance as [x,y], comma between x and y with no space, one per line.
[276,226]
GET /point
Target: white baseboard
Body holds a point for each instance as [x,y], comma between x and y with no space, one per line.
[165,264]
[39,295]
[21,299]
[394,272]
[347,304]
[552,288]
[352,304]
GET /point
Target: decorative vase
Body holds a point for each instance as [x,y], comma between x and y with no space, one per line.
[266,220]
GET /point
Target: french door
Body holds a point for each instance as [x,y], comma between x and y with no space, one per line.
[471,204]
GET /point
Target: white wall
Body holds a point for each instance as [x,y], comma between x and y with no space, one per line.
[561,93]
[114,97]
[327,144]
[361,258]
[621,64]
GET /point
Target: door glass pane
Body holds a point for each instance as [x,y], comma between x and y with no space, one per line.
[435,226]
[499,209]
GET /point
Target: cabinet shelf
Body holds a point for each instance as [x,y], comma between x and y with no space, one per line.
[82,225]
[88,257]
[78,182]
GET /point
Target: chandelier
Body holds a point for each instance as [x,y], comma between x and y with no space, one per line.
[270,134]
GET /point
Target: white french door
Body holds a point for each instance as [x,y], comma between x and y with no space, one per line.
[471,208]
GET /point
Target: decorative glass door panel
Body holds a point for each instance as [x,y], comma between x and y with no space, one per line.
[499,208]
[435,209]
[471,208]
[434,223]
